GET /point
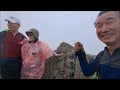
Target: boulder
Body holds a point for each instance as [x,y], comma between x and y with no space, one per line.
[66,66]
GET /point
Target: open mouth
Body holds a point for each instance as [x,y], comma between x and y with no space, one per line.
[106,36]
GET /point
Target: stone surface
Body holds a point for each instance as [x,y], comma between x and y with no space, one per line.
[66,66]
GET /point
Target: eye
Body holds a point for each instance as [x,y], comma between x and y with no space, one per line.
[109,22]
[98,26]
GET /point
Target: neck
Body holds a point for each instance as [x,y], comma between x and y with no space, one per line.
[14,32]
[111,49]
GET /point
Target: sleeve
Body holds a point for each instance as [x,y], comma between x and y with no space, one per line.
[87,68]
[47,51]
[45,54]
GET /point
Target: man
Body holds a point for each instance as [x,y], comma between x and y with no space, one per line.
[107,62]
[10,50]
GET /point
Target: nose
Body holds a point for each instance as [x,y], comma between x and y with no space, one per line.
[104,28]
[29,35]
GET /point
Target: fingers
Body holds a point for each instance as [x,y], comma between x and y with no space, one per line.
[79,46]
[61,54]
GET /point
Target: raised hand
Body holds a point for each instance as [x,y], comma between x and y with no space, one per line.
[78,46]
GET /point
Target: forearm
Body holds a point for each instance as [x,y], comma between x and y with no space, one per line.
[87,68]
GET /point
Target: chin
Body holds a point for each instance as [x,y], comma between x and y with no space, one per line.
[108,43]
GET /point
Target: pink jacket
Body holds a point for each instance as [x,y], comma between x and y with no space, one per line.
[34,56]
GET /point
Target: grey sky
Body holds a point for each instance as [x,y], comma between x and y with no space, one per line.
[60,26]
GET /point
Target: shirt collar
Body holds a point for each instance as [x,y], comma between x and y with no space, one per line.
[117,49]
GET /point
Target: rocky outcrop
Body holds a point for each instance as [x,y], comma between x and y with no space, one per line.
[64,48]
[66,66]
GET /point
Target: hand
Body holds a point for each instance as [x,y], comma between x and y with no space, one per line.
[59,55]
[78,46]
[24,41]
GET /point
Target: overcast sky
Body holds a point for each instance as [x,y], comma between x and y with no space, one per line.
[59,26]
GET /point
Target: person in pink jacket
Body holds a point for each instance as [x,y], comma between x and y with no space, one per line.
[34,55]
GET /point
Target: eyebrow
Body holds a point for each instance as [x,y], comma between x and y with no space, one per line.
[109,18]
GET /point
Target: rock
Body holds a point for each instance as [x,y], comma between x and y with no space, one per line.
[64,48]
[66,66]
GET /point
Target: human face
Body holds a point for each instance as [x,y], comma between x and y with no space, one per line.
[108,27]
[13,26]
[31,37]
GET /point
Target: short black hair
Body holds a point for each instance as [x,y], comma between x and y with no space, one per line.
[102,12]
